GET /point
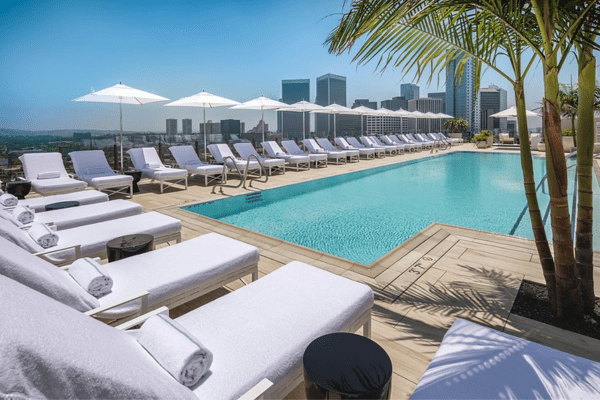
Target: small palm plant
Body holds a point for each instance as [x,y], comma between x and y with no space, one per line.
[457,124]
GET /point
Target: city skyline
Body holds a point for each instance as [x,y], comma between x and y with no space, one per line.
[54,52]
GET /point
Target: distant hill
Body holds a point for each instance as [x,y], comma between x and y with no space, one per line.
[62,132]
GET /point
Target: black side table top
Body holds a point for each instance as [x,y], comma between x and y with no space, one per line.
[19,189]
[347,365]
[129,245]
[61,204]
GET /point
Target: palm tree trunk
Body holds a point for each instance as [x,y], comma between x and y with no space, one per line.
[585,137]
[573,131]
[537,224]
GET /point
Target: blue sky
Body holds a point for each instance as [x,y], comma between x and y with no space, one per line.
[55,51]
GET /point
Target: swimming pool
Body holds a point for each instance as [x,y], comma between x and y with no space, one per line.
[363,215]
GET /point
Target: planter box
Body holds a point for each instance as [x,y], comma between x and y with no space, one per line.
[568,142]
[541,146]
[455,135]
[482,144]
[490,141]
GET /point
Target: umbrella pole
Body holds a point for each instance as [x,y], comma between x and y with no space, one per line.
[361,125]
[262,111]
[121,123]
[334,127]
[204,112]
[303,125]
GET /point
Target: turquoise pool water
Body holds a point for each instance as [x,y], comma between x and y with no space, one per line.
[363,215]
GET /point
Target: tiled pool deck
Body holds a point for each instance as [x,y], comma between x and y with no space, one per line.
[440,274]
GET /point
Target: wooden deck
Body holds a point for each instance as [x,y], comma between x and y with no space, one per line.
[442,273]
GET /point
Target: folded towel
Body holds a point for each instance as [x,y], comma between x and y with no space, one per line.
[152,165]
[43,235]
[23,214]
[91,276]
[175,349]
[49,175]
[280,154]
[8,200]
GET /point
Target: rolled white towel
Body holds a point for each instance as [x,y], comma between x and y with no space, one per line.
[91,276]
[175,349]
[43,235]
[8,200]
[23,214]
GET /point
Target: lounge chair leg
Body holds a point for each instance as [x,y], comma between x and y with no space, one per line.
[161,186]
[254,276]
[131,191]
[367,329]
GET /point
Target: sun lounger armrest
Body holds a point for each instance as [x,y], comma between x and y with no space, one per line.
[143,295]
[21,178]
[141,319]
[43,254]
[258,391]
[73,176]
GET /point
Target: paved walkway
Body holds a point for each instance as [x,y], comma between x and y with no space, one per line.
[440,274]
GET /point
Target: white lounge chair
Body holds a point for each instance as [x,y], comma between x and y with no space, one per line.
[91,166]
[298,162]
[338,157]
[399,147]
[428,144]
[38,204]
[476,362]
[379,151]
[317,160]
[171,275]
[406,140]
[344,145]
[146,160]
[223,155]
[187,158]
[246,151]
[458,140]
[257,332]
[351,155]
[407,146]
[505,138]
[73,217]
[90,240]
[47,174]
[369,142]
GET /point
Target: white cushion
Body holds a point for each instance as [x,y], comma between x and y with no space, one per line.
[48,175]
[19,237]
[49,350]
[97,171]
[58,185]
[36,163]
[152,165]
[83,197]
[22,266]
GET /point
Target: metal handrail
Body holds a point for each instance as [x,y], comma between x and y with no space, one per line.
[224,175]
[261,167]
[434,147]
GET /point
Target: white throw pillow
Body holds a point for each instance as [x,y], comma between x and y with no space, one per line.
[49,175]
[152,165]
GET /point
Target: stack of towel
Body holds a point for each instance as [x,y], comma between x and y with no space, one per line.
[8,200]
[175,349]
[43,235]
[23,214]
[91,276]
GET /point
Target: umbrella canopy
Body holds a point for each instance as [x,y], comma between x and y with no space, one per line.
[335,109]
[302,106]
[512,112]
[121,94]
[262,104]
[362,110]
[204,100]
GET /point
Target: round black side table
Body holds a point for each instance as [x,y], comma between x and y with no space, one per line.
[129,245]
[346,366]
[19,189]
[61,204]
[137,175]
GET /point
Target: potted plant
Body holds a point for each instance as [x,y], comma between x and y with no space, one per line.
[456,127]
[482,140]
[568,139]
[541,146]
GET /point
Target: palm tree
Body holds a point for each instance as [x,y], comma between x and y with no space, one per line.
[457,124]
[569,98]
[415,34]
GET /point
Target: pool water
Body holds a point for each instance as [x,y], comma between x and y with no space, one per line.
[363,215]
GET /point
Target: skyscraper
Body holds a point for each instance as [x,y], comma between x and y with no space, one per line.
[425,105]
[330,89]
[493,100]
[293,91]
[365,103]
[171,126]
[230,127]
[186,126]
[462,99]
[409,91]
[441,96]
[395,103]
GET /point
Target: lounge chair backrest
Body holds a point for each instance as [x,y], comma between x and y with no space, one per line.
[403,138]
[291,147]
[245,149]
[35,164]
[20,237]
[354,142]
[273,149]
[386,140]
[312,146]
[145,158]
[90,162]
[376,140]
[78,356]
[185,156]
[40,275]
[340,141]
[220,151]
[326,144]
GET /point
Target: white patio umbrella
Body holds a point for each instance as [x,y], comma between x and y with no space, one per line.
[335,109]
[262,104]
[121,94]
[417,115]
[302,106]
[402,114]
[204,100]
[362,110]
[512,112]
[430,116]
[383,112]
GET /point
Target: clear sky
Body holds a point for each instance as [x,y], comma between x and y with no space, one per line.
[55,51]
